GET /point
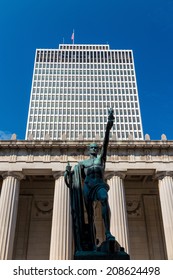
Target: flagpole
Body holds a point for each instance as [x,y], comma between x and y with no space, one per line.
[72,37]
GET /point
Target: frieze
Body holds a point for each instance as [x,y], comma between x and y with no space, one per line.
[30,156]
[131,154]
[47,155]
[55,151]
[13,155]
[114,154]
[148,155]
[164,155]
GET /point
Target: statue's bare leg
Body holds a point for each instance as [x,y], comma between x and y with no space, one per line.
[103,198]
[90,213]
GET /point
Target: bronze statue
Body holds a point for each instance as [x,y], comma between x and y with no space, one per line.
[93,188]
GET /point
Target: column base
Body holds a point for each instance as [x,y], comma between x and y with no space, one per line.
[108,250]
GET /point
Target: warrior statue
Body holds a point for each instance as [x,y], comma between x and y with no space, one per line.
[86,183]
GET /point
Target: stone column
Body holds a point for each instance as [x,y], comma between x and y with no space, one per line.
[117,202]
[166,200]
[61,234]
[8,212]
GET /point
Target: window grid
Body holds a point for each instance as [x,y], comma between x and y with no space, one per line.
[74,86]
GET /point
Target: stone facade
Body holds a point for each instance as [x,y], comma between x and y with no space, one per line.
[35,214]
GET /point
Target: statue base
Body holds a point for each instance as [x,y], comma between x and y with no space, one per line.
[108,250]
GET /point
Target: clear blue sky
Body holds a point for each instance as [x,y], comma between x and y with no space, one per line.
[145,26]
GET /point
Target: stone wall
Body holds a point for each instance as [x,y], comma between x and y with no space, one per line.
[31,171]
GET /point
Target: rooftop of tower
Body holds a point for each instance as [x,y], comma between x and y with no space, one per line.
[83,47]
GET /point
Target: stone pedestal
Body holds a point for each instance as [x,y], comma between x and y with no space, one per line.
[8,213]
[61,234]
[108,250]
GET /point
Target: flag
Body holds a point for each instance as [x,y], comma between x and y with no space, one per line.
[72,37]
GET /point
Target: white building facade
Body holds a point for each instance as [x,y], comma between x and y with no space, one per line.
[74,86]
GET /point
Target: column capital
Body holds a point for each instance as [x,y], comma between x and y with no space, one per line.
[110,174]
[162,174]
[15,174]
[58,174]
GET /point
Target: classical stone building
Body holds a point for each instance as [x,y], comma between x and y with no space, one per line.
[35,218]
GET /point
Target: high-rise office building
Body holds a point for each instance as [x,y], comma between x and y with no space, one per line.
[74,86]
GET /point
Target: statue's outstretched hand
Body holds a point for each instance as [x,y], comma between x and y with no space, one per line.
[111,118]
[111,114]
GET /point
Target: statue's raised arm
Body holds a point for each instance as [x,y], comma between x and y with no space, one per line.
[109,125]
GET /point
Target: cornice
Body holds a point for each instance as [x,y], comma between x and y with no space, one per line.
[62,151]
[135,144]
